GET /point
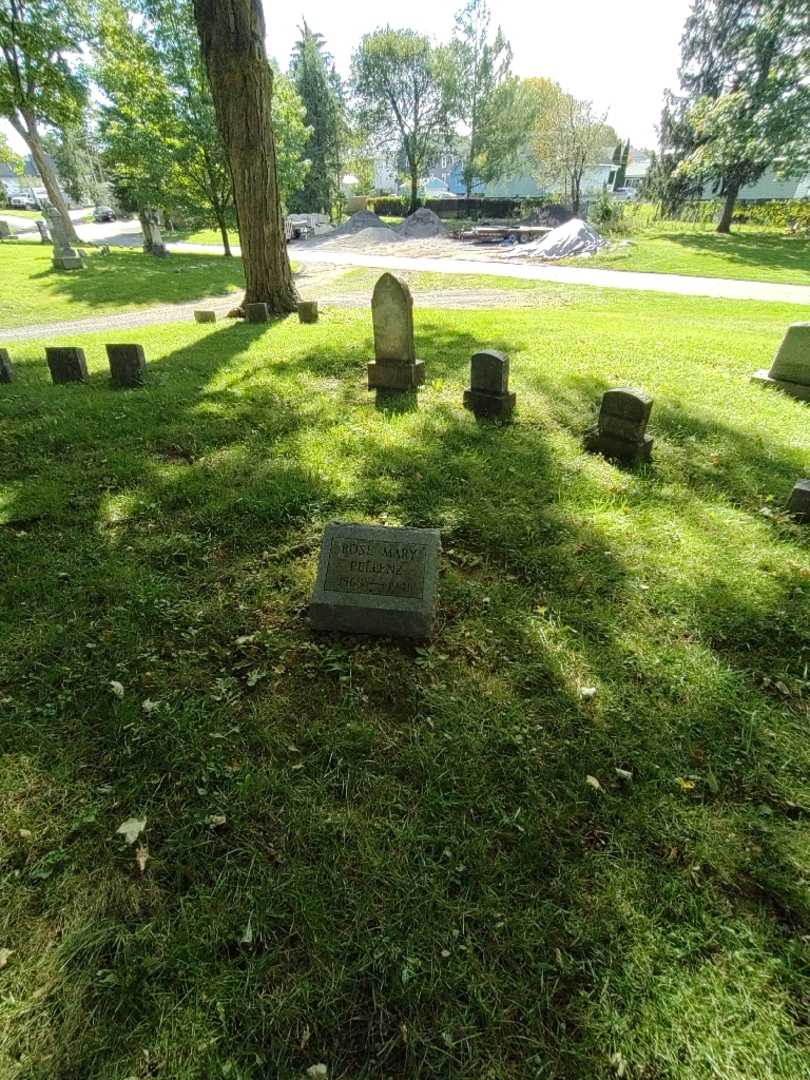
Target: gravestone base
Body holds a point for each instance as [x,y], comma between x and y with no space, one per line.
[68,262]
[394,375]
[614,447]
[490,406]
[794,389]
[127,365]
[205,316]
[6,368]
[66,364]
[257,313]
[376,580]
[799,502]
[308,311]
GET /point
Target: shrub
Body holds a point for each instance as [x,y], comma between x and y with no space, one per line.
[792,215]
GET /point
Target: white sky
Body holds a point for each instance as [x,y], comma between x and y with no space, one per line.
[620,54]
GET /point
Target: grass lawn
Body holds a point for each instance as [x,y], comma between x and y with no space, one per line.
[385,857]
[14,212]
[749,253]
[200,236]
[31,291]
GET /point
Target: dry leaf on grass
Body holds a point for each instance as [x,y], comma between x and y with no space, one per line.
[131,829]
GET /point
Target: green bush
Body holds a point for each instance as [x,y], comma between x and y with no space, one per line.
[790,214]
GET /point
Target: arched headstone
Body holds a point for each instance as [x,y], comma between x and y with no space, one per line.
[395,366]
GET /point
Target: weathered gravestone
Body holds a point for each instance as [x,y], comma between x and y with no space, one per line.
[376,580]
[152,237]
[395,366]
[799,502]
[5,230]
[790,370]
[6,367]
[66,363]
[65,257]
[44,234]
[489,395]
[620,432]
[127,365]
[258,312]
[205,316]
[308,311]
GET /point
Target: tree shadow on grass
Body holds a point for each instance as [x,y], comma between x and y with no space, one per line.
[362,808]
[784,253]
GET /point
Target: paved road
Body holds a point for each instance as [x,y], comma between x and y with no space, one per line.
[127,233]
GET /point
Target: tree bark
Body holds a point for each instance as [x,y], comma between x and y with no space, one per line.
[232,38]
[147,233]
[28,130]
[732,191]
[414,191]
[223,232]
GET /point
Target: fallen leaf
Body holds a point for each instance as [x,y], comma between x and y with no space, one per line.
[215,820]
[783,690]
[26,834]
[4,956]
[685,785]
[587,693]
[247,934]
[149,706]
[591,781]
[131,829]
[141,857]
[117,688]
[317,1071]
[624,774]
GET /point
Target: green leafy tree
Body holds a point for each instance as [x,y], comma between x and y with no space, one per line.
[42,83]
[319,87]
[488,100]
[9,156]
[402,87]
[76,153]
[745,81]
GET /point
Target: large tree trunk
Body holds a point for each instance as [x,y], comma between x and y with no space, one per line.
[732,191]
[232,38]
[28,130]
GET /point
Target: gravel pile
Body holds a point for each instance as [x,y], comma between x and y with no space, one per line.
[375,234]
[421,225]
[364,219]
[576,237]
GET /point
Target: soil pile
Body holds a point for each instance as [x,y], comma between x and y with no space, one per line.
[422,225]
[375,234]
[364,219]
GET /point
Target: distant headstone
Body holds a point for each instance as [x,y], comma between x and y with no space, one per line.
[104,250]
[308,311]
[65,257]
[621,428]
[6,367]
[127,365]
[799,502]
[205,316]
[153,238]
[790,370]
[489,395]
[376,580]
[5,230]
[44,234]
[66,363]
[257,312]
[395,366]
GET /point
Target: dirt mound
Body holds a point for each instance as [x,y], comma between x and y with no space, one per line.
[364,219]
[576,237]
[421,225]
[376,234]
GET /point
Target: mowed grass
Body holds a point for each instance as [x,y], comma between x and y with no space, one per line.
[387,857]
[33,292]
[749,253]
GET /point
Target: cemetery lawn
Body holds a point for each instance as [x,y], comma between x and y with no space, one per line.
[407,860]
[31,291]
[749,254]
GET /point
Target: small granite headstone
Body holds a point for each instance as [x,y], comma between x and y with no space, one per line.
[6,367]
[5,230]
[66,363]
[308,311]
[205,316]
[621,428]
[44,234]
[257,313]
[376,580]
[489,395]
[395,366]
[799,502]
[127,365]
[790,370]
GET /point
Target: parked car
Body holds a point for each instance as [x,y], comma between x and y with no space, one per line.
[625,194]
[103,213]
[23,202]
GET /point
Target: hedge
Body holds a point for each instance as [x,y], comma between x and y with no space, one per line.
[471,209]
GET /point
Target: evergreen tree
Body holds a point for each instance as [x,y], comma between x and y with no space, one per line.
[319,87]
